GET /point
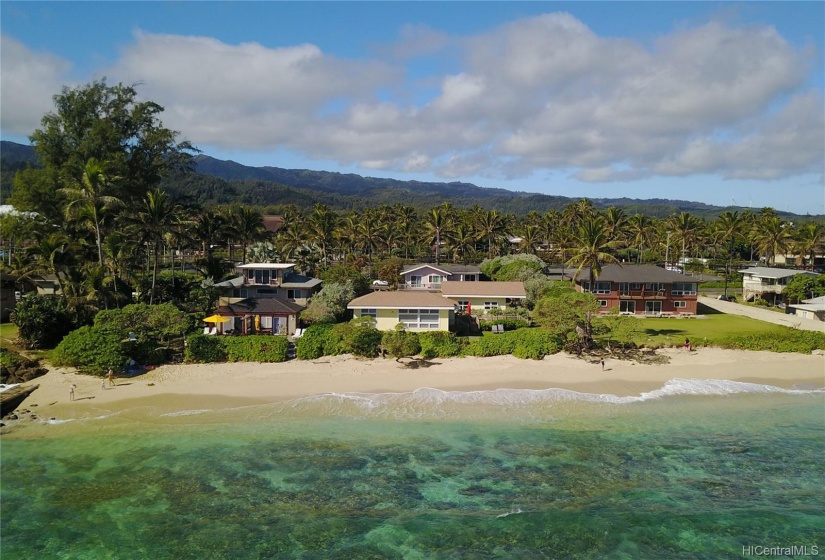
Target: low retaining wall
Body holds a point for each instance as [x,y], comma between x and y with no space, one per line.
[763,314]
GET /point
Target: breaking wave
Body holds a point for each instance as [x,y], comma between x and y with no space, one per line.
[532,403]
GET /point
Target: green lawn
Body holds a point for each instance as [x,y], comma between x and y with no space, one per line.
[663,332]
[8,332]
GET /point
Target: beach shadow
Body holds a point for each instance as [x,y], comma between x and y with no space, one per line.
[83,398]
[122,384]
[418,363]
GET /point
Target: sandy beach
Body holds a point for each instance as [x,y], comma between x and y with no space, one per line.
[180,387]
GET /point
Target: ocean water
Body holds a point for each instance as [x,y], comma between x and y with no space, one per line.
[693,470]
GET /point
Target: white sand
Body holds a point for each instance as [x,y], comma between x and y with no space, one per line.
[229,384]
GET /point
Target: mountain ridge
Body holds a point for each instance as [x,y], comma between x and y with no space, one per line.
[269,185]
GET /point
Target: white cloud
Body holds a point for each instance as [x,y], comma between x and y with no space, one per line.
[243,96]
[537,93]
[29,80]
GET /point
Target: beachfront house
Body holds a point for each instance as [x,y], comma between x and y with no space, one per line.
[416,310]
[766,283]
[813,309]
[481,297]
[642,290]
[266,298]
[428,277]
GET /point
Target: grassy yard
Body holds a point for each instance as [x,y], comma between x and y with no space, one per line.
[8,332]
[663,332]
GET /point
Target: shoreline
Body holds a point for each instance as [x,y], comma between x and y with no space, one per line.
[225,385]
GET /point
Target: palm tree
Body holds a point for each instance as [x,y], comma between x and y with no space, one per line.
[642,229]
[208,229]
[772,235]
[289,240]
[248,227]
[54,254]
[461,241]
[158,216]
[728,227]
[491,226]
[592,248]
[436,222]
[687,229]
[117,249]
[322,224]
[810,240]
[530,239]
[89,195]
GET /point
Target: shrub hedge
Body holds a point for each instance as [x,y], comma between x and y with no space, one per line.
[440,344]
[399,343]
[788,340]
[255,348]
[91,350]
[535,344]
[315,342]
[202,348]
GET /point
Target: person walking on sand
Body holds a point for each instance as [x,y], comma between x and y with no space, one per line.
[687,345]
[602,364]
[71,391]
[110,376]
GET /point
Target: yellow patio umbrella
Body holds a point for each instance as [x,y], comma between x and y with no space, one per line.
[216,319]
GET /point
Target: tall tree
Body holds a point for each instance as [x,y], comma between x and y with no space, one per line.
[90,196]
[109,124]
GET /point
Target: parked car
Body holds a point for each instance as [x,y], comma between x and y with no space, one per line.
[727,298]
[380,283]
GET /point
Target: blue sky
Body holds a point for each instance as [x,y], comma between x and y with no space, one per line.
[714,102]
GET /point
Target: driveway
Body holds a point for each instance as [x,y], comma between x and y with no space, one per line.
[763,314]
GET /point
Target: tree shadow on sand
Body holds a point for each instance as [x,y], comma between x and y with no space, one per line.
[417,363]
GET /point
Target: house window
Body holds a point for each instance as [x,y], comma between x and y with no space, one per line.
[653,307]
[266,291]
[469,277]
[294,294]
[488,305]
[685,289]
[369,313]
[627,307]
[680,304]
[419,318]
[603,302]
[654,286]
[240,293]
[435,279]
[266,322]
[262,276]
[635,286]
[602,288]
[415,281]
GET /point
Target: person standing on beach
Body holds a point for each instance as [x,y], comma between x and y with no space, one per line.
[602,364]
[71,391]
[110,376]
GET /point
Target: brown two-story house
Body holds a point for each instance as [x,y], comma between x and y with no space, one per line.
[644,290]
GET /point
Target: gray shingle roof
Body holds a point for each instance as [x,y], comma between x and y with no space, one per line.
[635,273]
[261,305]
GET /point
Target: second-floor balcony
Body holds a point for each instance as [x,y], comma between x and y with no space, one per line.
[429,286]
[259,279]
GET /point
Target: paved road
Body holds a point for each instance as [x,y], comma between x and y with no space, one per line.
[763,314]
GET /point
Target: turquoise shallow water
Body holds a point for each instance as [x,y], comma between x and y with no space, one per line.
[696,470]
